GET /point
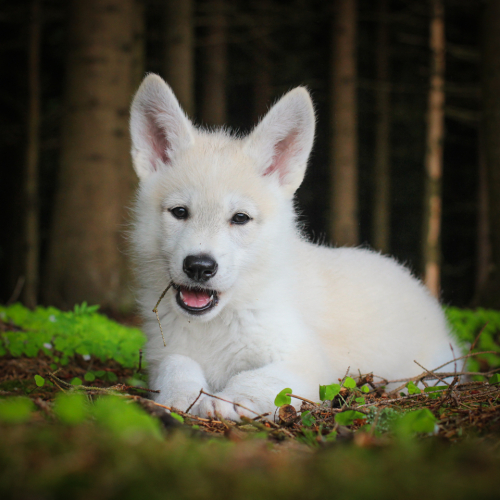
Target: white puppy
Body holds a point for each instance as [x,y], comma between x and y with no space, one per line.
[254,306]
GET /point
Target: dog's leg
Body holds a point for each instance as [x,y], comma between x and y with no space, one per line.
[256,390]
[179,380]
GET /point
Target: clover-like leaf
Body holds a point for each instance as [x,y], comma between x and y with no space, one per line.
[328,392]
[307,418]
[348,417]
[177,417]
[412,388]
[416,421]
[349,383]
[282,398]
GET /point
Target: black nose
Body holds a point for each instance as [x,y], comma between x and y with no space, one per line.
[200,267]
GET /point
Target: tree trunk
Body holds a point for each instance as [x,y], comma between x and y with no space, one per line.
[214,65]
[382,181]
[262,85]
[491,130]
[483,253]
[344,154]
[86,258]
[32,230]
[434,152]
[139,46]
[178,49]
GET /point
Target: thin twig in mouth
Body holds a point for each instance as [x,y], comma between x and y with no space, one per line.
[155,310]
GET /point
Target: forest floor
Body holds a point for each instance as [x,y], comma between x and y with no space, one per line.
[440,440]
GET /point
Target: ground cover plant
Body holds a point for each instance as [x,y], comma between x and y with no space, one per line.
[76,421]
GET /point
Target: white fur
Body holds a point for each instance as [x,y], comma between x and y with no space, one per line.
[291,313]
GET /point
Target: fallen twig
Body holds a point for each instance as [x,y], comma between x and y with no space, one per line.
[194,402]
[302,399]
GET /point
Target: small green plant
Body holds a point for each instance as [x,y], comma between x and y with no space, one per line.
[307,418]
[466,325]
[61,335]
[416,421]
[16,410]
[71,408]
[328,392]
[348,417]
[282,398]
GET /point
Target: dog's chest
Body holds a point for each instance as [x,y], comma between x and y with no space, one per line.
[226,348]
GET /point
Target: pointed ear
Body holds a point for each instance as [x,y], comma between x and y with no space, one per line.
[158,127]
[281,143]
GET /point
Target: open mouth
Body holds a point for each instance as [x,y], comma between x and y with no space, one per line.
[196,300]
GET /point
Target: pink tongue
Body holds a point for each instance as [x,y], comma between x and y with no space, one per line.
[194,298]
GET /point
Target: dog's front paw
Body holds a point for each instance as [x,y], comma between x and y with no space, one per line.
[228,410]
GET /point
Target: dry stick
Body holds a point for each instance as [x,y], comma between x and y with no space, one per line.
[155,310]
[176,410]
[465,356]
[342,383]
[227,401]
[139,368]
[238,404]
[194,402]
[431,373]
[439,367]
[345,376]
[453,352]
[302,399]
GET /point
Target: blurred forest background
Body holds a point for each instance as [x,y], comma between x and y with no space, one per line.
[406,159]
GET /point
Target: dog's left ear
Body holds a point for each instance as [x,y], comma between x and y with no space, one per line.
[281,143]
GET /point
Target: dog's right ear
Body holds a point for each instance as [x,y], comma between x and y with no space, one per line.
[158,127]
[282,141]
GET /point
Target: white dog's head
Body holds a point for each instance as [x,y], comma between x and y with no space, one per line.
[210,204]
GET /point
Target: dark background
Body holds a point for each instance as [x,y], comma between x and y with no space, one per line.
[298,38]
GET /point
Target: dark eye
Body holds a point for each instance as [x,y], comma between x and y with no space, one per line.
[179,212]
[240,218]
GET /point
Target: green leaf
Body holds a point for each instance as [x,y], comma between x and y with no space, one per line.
[436,388]
[71,408]
[348,417]
[412,388]
[99,373]
[123,419]
[177,417]
[328,392]
[111,376]
[76,381]
[416,421]
[365,388]
[282,398]
[349,383]
[331,437]
[361,400]
[494,379]
[322,392]
[307,418]
[89,377]
[136,382]
[15,410]
[39,381]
